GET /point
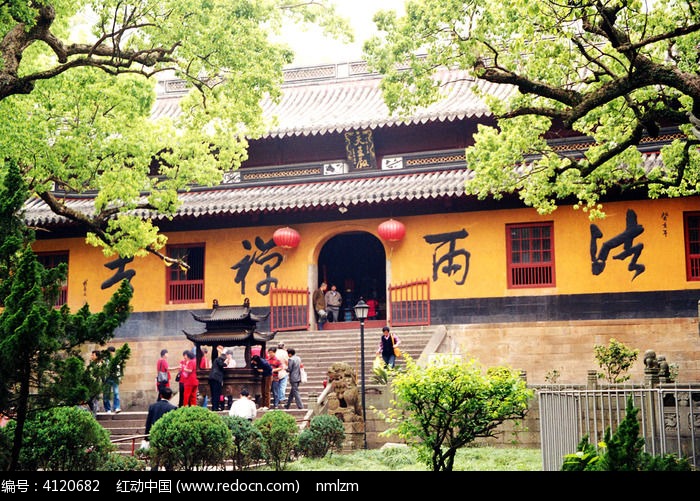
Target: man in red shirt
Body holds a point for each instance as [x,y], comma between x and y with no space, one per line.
[277,366]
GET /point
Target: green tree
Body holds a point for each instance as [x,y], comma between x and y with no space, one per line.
[615,360]
[40,359]
[615,72]
[77,85]
[447,405]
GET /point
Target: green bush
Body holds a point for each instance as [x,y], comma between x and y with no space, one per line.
[325,433]
[121,462]
[63,439]
[279,437]
[622,451]
[189,438]
[247,442]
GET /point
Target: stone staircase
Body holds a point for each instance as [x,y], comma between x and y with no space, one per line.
[318,350]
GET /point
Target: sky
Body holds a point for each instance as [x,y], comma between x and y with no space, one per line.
[312,48]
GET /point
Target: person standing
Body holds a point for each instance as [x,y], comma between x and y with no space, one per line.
[283,375]
[205,364]
[180,380]
[243,406]
[158,409]
[95,369]
[294,368]
[373,308]
[112,380]
[162,371]
[333,302]
[386,347]
[319,302]
[191,382]
[276,368]
[216,380]
[262,366]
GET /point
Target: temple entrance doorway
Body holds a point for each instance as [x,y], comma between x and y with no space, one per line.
[356,263]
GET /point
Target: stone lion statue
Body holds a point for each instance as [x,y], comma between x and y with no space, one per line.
[344,400]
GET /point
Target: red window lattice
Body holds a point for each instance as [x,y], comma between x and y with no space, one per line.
[530,255]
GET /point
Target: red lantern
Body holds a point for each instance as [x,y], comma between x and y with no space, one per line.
[391,230]
[287,238]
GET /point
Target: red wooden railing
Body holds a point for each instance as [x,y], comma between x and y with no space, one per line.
[289,309]
[409,303]
[185,291]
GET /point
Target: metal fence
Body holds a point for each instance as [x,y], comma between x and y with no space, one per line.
[669,420]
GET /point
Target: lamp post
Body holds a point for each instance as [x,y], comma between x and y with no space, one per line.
[361,310]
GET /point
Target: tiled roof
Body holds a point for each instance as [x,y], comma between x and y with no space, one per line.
[240,337]
[338,98]
[278,198]
[319,100]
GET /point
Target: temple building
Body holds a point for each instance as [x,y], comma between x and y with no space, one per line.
[342,191]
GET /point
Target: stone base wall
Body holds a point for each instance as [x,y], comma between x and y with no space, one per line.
[538,348]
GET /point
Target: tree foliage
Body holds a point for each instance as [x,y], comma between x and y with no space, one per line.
[77,85]
[40,358]
[442,407]
[614,72]
[615,360]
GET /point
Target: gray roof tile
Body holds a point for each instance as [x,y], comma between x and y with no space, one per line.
[229,200]
[338,104]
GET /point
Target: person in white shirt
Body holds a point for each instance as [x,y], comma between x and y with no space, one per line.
[243,407]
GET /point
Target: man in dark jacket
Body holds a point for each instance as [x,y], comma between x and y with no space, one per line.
[159,407]
[157,410]
[216,380]
[263,367]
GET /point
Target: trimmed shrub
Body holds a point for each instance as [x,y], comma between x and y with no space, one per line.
[64,439]
[247,442]
[325,433]
[190,438]
[279,437]
[121,462]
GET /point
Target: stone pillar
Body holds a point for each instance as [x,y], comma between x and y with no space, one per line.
[592,380]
